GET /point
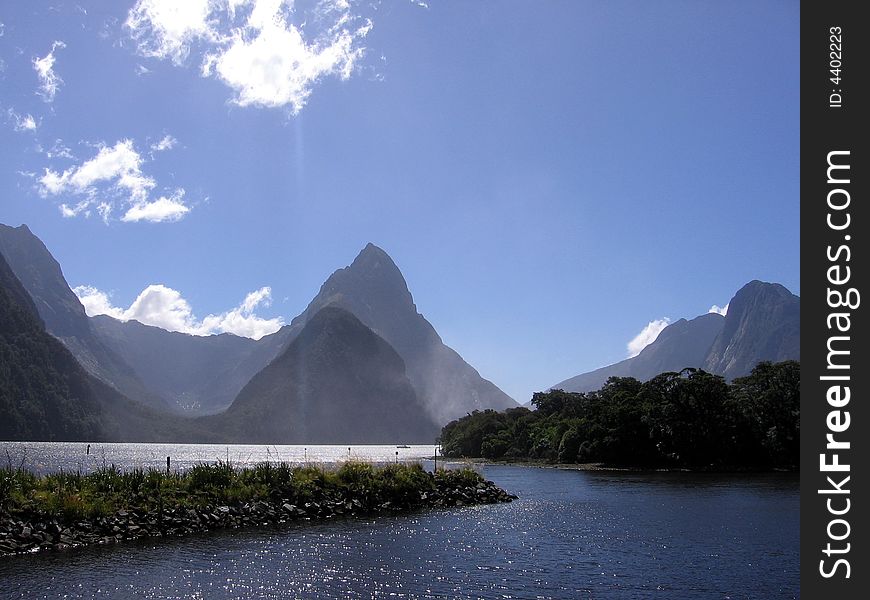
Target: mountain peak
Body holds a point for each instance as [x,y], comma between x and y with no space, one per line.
[374,259]
[371,247]
[763,323]
[42,277]
[22,229]
[756,287]
[757,294]
[373,290]
[372,279]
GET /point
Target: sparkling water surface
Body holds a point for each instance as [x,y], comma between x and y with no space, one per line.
[572,534]
[44,457]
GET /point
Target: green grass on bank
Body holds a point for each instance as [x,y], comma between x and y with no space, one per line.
[75,496]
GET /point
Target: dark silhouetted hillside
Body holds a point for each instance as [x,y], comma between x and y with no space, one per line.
[337,382]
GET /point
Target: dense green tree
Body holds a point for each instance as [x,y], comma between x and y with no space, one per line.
[687,419]
[768,401]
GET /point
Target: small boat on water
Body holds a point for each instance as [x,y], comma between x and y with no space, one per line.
[403,446]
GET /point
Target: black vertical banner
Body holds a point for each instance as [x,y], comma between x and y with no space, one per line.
[835,370]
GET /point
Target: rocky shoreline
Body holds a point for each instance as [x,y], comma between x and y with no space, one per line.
[34,532]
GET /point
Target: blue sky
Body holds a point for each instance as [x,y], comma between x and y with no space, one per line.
[551,177]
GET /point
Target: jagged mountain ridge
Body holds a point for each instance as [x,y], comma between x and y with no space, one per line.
[762,323]
[202,375]
[167,371]
[46,395]
[64,316]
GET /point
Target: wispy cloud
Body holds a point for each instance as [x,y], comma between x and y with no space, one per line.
[646,336]
[113,179]
[166,143]
[271,53]
[719,311]
[57,150]
[164,307]
[49,81]
[21,122]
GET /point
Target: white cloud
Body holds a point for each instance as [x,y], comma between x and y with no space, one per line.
[167,143]
[73,211]
[49,81]
[104,209]
[167,28]
[157,211]
[647,336]
[97,302]
[164,307]
[719,311]
[22,122]
[278,68]
[112,179]
[271,53]
[120,164]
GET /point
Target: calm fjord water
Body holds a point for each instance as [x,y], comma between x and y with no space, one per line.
[570,535]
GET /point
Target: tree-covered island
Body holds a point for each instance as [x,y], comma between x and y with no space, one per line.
[690,419]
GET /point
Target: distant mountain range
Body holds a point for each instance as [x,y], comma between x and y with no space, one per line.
[359,365]
[197,375]
[415,383]
[762,323]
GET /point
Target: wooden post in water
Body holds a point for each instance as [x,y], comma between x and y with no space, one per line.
[397,457]
[88,453]
[167,465]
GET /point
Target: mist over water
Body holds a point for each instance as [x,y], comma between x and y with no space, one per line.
[571,534]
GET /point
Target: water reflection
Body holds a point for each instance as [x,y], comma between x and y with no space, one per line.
[571,535]
[43,457]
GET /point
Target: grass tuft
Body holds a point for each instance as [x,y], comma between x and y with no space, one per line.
[72,496]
